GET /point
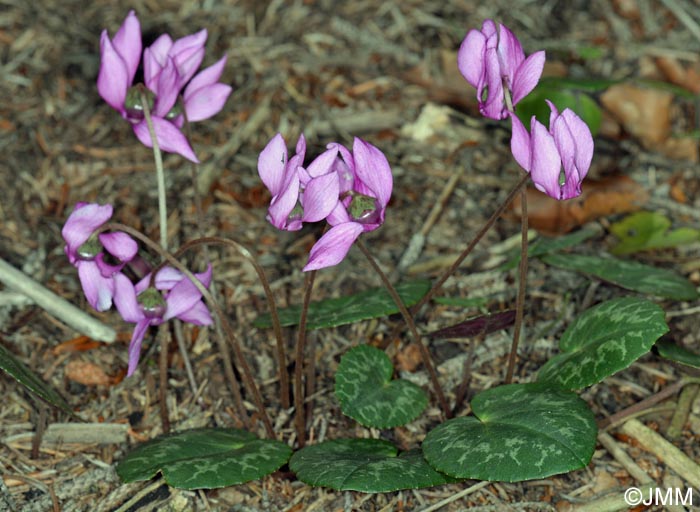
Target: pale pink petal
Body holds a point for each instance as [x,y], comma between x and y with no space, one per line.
[470,57]
[170,138]
[82,223]
[208,76]
[323,163]
[135,345]
[338,215]
[198,315]
[584,141]
[510,52]
[167,90]
[113,78]
[120,245]
[520,143]
[301,147]
[154,58]
[372,168]
[545,163]
[206,101]
[98,290]
[332,247]
[527,75]
[186,46]
[283,204]
[181,299]
[127,42]
[320,197]
[272,163]
[125,299]
[494,107]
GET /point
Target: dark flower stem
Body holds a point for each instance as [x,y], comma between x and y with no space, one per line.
[163,372]
[223,347]
[522,280]
[477,238]
[300,412]
[425,353]
[276,326]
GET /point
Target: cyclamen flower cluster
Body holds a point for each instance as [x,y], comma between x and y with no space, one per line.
[103,283]
[349,190]
[168,67]
[493,61]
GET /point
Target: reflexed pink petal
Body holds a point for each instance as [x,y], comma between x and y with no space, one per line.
[322,163]
[583,138]
[168,89]
[186,46]
[527,75]
[127,42]
[98,290]
[135,345]
[205,277]
[320,197]
[545,163]
[301,147]
[113,78]
[198,315]
[125,299]
[81,223]
[207,76]
[271,164]
[166,279]
[489,29]
[206,102]
[170,138]
[372,168]
[339,215]
[494,107]
[510,52]
[151,70]
[181,299]
[332,247]
[520,143]
[283,203]
[470,57]
[120,245]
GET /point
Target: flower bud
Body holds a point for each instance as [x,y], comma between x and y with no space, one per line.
[152,303]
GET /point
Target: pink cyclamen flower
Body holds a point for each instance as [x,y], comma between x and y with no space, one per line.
[86,252]
[493,59]
[146,306]
[365,189]
[168,67]
[542,152]
[298,194]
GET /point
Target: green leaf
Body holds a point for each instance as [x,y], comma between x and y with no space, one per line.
[534,105]
[627,274]
[31,380]
[365,465]
[205,458]
[604,340]
[545,245]
[353,308]
[367,394]
[643,231]
[518,432]
[670,350]
[591,85]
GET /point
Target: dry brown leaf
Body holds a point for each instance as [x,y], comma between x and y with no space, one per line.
[88,374]
[79,344]
[600,198]
[676,73]
[645,113]
[409,358]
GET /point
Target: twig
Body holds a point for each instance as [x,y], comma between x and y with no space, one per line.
[683,17]
[522,281]
[680,415]
[300,412]
[455,497]
[620,455]
[664,451]
[425,353]
[55,305]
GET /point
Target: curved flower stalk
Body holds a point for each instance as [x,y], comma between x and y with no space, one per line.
[298,194]
[365,189]
[493,61]
[543,152]
[87,252]
[168,67]
[173,296]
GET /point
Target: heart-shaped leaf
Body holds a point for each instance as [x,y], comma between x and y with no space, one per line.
[372,303]
[31,380]
[365,465]
[576,100]
[670,350]
[627,274]
[604,340]
[643,231]
[518,432]
[367,394]
[205,458]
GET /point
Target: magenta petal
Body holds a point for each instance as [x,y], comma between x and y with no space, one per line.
[584,140]
[166,279]
[207,76]
[205,277]
[81,223]
[510,51]
[167,90]
[125,299]
[181,299]
[301,147]
[135,345]
[470,57]
[186,46]
[339,215]
[120,245]
[527,75]
[206,101]
[113,78]
[520,143]
[494,106]
[372,168]
[323,163]
[127,41]
[320,197]
[332,247]
[271,164]
[198,315]
[188,65]
[170,138]
[546,162]
[98,290]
